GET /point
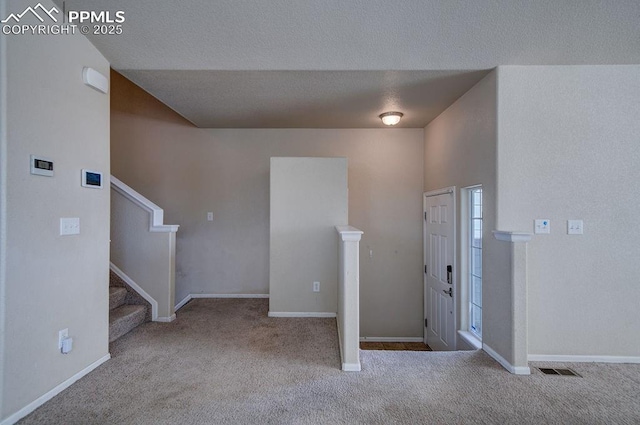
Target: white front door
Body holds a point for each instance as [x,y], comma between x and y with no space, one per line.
[439,249]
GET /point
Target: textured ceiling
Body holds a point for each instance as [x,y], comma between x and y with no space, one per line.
[198,37]
[306,99]
[367,34]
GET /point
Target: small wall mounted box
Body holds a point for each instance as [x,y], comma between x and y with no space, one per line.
[95,80]
[41,166]
[91,179]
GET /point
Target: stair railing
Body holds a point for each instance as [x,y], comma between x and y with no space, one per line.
[143,248]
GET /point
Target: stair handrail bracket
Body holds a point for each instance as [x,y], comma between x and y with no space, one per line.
[156,214]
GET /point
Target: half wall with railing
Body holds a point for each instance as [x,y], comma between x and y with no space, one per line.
[143,248]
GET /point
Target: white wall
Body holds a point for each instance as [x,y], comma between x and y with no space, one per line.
[189,171]
[148,258]
[3,201]
[52,282]
[308,198]
[460,150]
[569,149]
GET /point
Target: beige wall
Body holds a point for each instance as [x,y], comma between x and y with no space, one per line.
[52,282]
[569,150]
[564,135]
[308,198]
[460,150]
[189,171]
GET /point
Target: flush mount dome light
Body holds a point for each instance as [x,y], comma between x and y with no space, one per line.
[391,118]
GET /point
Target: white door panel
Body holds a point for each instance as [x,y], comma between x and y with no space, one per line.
[439,256]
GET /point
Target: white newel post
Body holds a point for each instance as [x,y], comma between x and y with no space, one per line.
[518,242]
[348,316]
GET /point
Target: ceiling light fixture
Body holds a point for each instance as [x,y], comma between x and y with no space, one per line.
[391,118]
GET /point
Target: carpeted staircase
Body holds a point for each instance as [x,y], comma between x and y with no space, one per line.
[127,309]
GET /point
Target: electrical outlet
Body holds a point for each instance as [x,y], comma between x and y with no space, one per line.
[67,345]
[316,286]
[209,216]
[61,336]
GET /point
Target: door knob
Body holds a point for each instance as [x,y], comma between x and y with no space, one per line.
[450,292]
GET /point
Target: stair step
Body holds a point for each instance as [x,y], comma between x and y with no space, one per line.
[124,318]
[116,296]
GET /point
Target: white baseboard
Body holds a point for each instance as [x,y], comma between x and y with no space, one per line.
[300,314]
[391,339]
[183,302]
[51,394]
[582,359]
[193,296]
[166,319]
[122,275]
[229,295]
[351,367]
[516,370]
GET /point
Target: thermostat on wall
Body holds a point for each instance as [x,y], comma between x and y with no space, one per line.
[41,166]
[92,179]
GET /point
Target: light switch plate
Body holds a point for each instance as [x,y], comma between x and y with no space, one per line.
[542,226]
[209,216]
[575,227]
[69,226]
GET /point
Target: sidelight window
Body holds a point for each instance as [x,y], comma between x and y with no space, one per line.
[475,262]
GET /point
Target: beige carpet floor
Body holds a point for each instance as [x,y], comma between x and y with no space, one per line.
[226,362]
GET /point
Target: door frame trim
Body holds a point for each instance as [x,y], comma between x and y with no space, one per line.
[450,190]
[443,191]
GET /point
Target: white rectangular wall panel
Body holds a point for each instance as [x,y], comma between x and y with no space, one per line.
[308,199]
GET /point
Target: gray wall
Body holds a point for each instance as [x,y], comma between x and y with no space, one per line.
[568,149]
[460,150]
[52,282]
[189,171]
[308,198]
